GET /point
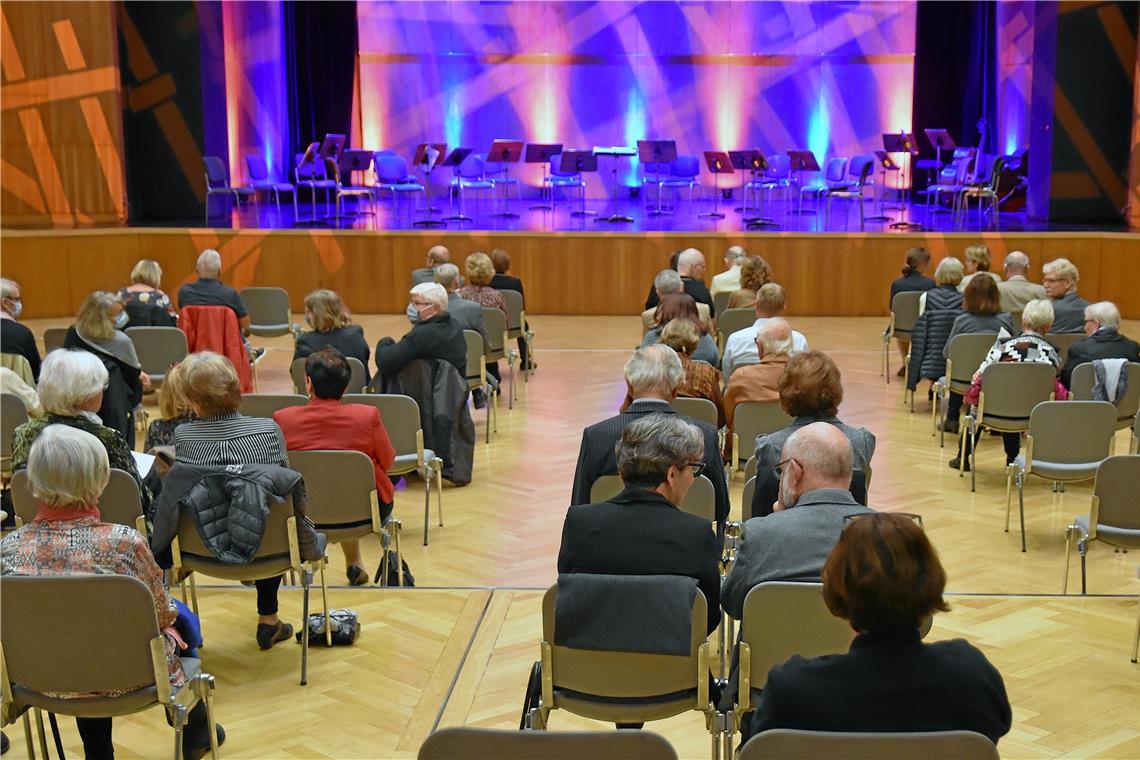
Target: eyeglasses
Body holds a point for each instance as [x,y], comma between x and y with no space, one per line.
[848,519]
[780,465]
[698,468]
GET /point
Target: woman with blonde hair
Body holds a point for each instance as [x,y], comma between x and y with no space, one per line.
[332,326]
[754,274]
[146,304]
[174,408]
[977,260]
[701,379]
[479,272]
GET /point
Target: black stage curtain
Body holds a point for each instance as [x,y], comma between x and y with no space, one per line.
[955,72]
[320,50]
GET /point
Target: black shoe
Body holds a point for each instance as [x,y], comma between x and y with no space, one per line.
[268,635]
[901,372]
[955,462]
[3,742]
[256,352]
[356,575]
[196,753]
[479,398]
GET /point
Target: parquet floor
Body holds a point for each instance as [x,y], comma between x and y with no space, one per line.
[457,649]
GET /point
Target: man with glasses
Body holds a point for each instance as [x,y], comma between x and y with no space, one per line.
[793,542]
[1102,325]
[641,531]
[1060,281]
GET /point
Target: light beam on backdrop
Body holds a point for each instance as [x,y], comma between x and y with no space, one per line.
[634,129]
[819,129]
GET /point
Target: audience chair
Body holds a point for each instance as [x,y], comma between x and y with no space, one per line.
[260,180]
[342,501]
[964,355]
[793,744]
[355,381]
[720,301]
[218,183]
[279,553]
[1114,517]
[466,743]
[496,347]
[861,166]
[18,364]
[624,687]
[123,652]
[54,338]
[1081,385]
[517,328]
[158,349]
[700,501]
[120,502]
[751,420]
[698,408]
[730,321]
[780,620]
[401,417]
[266,404]
[269,312]
[477,375]
[904,313]
[1062,342]
[13,413]
[1066,443]
[1009,393]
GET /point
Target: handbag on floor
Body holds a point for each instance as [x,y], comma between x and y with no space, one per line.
[391,578]
[344,624]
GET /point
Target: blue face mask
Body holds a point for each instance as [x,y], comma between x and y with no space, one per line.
[16,308]
[121,320]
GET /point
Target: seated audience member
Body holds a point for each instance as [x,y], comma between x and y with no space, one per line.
[652,376]
[977,262]
[435,336]
[691,268]
[932,330]
[1060,281]
[811,390]
[728,281]
[913,279]
[701,380]
[218,438]
[208,290]
[71,392]
[740,347]
[754,274]
[467,314]
[642,530]
[666,283]
[479,273]
[1016,291]
[1102,325]
[332,326]
[758,382]
[504,281]
[1030,346]
[67,471]
[326,423]
[173,407]
[98,329]
[885,579]
[436,255]
[981,304]
[682,306]
[15,338]
[793,542]
[146,304]
[11,383]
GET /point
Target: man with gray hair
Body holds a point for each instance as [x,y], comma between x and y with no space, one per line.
[793,542]
[667,282]
[208,289]
[740,347]
[436,255]
[729,280]
[1104,341]
[16,338]
[758,382]
[434,336]
[691,269]
[467,314]
[641,531]
[652,375]
[1016,290]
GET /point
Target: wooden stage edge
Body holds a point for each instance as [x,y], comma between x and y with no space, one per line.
[568,273]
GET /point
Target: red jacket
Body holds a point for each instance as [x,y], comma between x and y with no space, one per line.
[329,424]
[216,328]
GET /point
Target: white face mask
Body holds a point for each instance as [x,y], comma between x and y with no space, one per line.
[16,308]
[121,320]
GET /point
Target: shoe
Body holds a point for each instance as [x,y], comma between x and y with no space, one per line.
[901,372]
[268,635]
[479,398]
[256,352]
[197,753]
[356,575]
[955,462]
[951,426]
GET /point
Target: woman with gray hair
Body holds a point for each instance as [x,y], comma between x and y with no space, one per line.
[67,470]
[71,392]
[641,531]
[98,329]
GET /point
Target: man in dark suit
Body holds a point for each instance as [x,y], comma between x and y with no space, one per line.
[641,531]
[15,338]
[435,336]
[436,255]
[467,314]
[653,375]
[1102,325]
[691,267]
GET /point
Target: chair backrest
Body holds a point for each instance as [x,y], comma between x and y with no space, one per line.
[782,619]
[339,485]
[750,467]
[836,169]
[606,487]
[701,499]
[475,363]
[964,355]
[275,542]
[495,322]
[400,415]
[779,166]
[54,338]
[216,175]
[268,310]
[720,301]
[355,382]
[1062,342]
[265,404]
[1114,494]
[514,301]
[391,169]
[746,497]
[1072,432]
[698,408]
[120,502]
[466,743]
[735,319]
[215,328]
[754,418]
[794,744]
[118,622]
[18,363]
[685,167]
[905,308]
[257,167]
[556,167]
[1084,378]
[13,413]
[472,167]
[1010,390]
[860,167]
[158,348]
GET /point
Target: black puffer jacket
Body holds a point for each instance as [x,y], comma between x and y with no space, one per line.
[931,331]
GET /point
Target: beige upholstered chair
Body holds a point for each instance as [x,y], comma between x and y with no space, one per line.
[904,313]
[963,357]
[752,419]
[158,349]
[265,404]
[516,326]
[698,408]
[497,347]
[1081,386]
[1114,517]
[476,375]
[355,382]
[13,413]
[791,744]
[269,312]
[119,503]
[465,743]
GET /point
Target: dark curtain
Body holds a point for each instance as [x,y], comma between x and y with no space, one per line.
[320,48]
[955,72]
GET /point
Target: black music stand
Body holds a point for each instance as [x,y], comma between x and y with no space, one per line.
[657,152]
[757,165]
[802,161]
[504,152]
[902,142]
[309,158]
[332,145]
[579,161]
[541,153]
[886,164]
[427,157]
[454,159]
[941,140]
[718,163]
[615,152]
[349,163]
[742,160]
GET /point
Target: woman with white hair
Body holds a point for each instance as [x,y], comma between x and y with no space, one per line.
[71,392]
[98,329]
[435,336]
[67,470]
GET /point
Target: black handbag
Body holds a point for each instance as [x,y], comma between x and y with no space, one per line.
[344,624]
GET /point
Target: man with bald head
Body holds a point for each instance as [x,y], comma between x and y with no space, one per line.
[759,382]
[436,255]
[691,268]
[1016,290]
[793,542]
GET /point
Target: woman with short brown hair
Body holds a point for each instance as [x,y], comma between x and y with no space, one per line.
[682,306]
[332,326]
[754,274]
[982,314]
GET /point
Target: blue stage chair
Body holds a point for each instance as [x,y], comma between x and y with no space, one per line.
[560,179]
[683,173]
[834,178]
[259,178]
[392,175]
[472,175]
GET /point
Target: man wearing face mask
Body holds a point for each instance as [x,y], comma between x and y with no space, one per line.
[15,338]
[435,336]
[793,542]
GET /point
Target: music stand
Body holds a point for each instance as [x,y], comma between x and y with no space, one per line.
[505,152]
[903,142]
[886,164]
[332,145]
[540,153]
[309,157]
[802,161]
[657,152]
[350,162]
[579,161]
[454,159]
[615,152]
[427,157]
[940,139]
[718,163]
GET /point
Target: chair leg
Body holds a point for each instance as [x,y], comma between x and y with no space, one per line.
[1136,636]
[40,734]
[28,735]
[306,580]
[1083,550]
[178,716]
[325,603]
[974,460]
[1069,531]
[439,490]
[399,553]
[211,724]
[427,474]
[1021,506]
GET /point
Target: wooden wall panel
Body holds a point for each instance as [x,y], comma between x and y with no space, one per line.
[564,273]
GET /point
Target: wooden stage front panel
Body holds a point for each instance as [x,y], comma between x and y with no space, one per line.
[564,272]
